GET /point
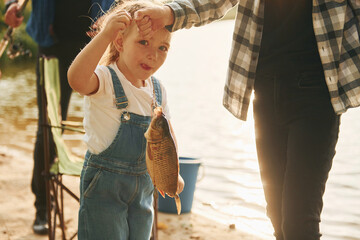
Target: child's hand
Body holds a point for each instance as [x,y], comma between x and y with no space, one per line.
[181,185]
[117,23]
[151,19]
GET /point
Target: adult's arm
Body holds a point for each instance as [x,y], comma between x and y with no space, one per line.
[355,6]
[189,13]
[180,14]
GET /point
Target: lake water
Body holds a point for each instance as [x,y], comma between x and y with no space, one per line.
[230,190]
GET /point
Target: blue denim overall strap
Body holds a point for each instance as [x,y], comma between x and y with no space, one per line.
[126,154]
[157,90]
[120,97]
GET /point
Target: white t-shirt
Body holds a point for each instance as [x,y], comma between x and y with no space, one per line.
[102,118]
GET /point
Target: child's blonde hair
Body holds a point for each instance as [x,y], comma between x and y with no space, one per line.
[131,6]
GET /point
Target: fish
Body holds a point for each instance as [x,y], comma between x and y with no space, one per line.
[162,158]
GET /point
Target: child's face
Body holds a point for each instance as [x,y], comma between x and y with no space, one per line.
[140,58]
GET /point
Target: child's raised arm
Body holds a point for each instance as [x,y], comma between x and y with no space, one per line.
[81,75]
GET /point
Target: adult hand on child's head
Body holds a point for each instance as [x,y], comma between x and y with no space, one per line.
[151,19]
[11,18]
[117,23]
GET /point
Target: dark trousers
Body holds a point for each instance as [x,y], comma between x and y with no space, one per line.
[65,52]
[296,134]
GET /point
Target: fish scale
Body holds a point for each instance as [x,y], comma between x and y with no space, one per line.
[159,163]
[162,158]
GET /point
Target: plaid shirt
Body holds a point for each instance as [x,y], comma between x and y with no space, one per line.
[336,27]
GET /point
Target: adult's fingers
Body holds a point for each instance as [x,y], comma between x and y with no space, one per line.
[11,18]
[140,14]
[144,23]
[145,27]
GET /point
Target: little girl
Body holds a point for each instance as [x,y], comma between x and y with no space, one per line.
[116,192]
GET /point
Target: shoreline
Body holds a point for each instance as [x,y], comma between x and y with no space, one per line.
[16,204]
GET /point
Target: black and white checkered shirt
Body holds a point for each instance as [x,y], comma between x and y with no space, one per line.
[336,27]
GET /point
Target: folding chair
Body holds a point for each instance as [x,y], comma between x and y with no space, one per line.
[66,163]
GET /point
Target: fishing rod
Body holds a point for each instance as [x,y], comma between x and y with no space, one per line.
[15,50]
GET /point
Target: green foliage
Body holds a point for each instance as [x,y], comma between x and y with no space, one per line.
[2,24]
[19,36]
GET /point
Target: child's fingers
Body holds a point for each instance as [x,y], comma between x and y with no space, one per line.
[125,17]
[124,13]
[122,26]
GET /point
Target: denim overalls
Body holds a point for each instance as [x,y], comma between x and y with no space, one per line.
[116,192]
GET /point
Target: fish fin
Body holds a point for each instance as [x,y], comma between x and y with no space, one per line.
[162,193]
[178,204]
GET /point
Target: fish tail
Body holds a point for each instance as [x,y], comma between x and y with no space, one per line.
[178,204]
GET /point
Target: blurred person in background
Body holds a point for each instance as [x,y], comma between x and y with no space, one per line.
[59,28]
